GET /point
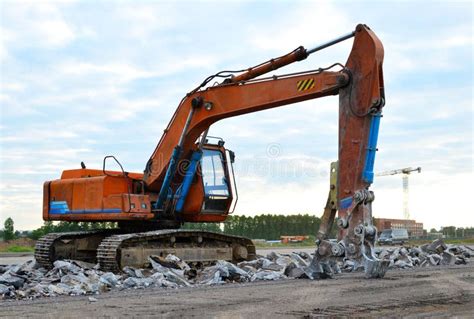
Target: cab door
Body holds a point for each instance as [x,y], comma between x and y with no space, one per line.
[217,190]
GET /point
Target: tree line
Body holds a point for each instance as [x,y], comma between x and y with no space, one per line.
[265,226]
[9,233]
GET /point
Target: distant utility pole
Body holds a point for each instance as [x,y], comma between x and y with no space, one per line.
[405,173]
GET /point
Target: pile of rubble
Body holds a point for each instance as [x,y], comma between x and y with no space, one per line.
[434,254]
[70,277]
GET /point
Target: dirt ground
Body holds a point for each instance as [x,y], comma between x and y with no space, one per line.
[424,292]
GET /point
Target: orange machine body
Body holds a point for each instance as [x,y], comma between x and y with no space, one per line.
[189,180]
[97,195]
[86,194]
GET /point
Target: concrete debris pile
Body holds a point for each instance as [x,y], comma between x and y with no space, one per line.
[71,277]
[434,254]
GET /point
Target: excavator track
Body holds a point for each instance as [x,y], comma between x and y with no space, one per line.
[71,245]
[43,250]
[114,250]
[118,251]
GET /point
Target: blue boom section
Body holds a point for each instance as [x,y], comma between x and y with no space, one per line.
[188,179]
[168,178]
[368,173]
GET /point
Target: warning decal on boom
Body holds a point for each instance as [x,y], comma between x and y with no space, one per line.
[304,85]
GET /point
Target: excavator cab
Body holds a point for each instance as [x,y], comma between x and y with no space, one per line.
[212,193]
[216,187]
[218,180]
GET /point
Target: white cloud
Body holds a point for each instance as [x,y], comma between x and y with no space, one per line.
[143,21]
[38,135]
[117,72]
[36,24]
[85,80]
[3,51]
[435,51]
[12,86]
[126,109]
[313,21]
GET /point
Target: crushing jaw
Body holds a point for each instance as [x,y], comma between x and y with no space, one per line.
[359,248]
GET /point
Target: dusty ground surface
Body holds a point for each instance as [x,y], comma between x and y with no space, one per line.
[14,258]
[423,292]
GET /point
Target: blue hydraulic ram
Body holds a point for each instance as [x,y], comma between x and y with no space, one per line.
[368,173]
[170,172]
[188,179]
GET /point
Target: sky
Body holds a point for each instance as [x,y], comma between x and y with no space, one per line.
[82,80]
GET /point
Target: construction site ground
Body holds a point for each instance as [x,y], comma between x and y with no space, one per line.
[422,292]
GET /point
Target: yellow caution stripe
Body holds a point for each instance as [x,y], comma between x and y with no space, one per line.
[304,85]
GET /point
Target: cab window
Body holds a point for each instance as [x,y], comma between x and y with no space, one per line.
[216,189]
[213,175]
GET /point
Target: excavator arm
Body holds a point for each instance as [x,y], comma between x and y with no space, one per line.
[359,85]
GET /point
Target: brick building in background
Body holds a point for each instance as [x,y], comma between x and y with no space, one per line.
[414,229]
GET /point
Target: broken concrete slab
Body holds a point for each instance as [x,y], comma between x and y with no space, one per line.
[133,282]
[293,271]
[273,267]
[437,246]
[171,274]
[171,261]
[12,280]
[4,289]
[263,274]
[66,267]
[109,279]
[448,258]
[433,261]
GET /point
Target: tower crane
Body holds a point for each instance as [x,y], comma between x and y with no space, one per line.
[405,173]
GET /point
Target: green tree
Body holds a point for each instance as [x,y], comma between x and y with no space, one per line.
[8,230]
[213,227]
[449,231]
[64,226]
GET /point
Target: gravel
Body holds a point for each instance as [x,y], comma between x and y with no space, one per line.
[71,277]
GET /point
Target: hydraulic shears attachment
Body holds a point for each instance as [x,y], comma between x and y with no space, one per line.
[358,247]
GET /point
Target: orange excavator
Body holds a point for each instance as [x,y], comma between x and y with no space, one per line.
[190,178]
